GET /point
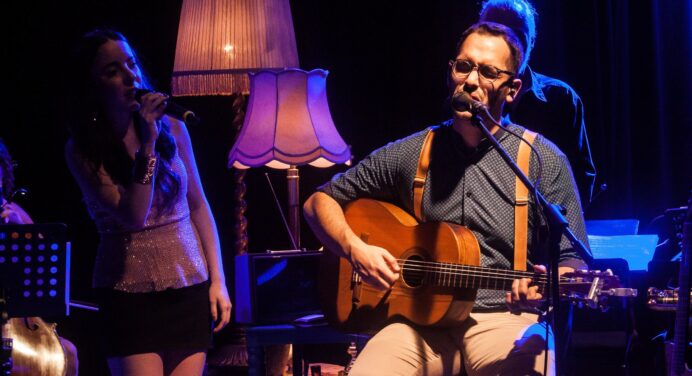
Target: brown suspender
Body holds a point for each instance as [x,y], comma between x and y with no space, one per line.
[421,175]
[521,203]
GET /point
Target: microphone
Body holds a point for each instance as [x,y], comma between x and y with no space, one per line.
[177,111]
[462,101]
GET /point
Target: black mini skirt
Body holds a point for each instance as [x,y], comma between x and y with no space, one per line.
[169,320]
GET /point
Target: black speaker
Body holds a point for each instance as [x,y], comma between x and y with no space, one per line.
[276,287]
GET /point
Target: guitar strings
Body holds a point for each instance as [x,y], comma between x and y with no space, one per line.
[466,277]
[441,274]
[460,267]
[470,271]
[426,265]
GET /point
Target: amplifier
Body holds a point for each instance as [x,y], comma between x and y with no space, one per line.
[276,287]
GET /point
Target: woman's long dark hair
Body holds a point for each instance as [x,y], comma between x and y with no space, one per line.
[93,138]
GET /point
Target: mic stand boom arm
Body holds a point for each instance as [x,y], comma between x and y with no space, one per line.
[553,212]
[557,226]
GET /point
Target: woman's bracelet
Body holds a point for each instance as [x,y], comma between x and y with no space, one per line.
[144,168]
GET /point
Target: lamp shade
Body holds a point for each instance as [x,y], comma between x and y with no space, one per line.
[288,123]
[220,41]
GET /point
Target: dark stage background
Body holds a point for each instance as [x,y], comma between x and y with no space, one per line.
[629,61]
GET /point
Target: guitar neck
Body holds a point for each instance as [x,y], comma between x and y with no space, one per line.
[465,276]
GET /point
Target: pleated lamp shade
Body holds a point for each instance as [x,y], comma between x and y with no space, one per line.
[288,123]
[220,41]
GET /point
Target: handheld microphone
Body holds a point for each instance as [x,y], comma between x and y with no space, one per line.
[462,101]
[177,111]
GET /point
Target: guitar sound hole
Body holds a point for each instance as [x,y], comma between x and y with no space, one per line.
[413,272]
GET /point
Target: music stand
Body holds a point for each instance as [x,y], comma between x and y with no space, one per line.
[34,275]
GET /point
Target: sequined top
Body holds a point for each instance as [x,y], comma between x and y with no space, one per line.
[166,253]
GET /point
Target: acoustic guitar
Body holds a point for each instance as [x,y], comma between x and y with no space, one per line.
[440,273]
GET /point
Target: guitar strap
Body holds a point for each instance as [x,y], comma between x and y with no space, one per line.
[521,202]
[421,176]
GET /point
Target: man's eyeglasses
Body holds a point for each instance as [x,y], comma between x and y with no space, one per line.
[462,68]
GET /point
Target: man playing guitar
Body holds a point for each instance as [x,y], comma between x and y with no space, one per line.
[466,184]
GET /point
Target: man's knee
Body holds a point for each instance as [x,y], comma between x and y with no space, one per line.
[400,349]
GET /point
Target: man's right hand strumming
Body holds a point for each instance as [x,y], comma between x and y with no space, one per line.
[375,265]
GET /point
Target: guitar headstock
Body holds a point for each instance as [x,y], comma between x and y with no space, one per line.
[592,288]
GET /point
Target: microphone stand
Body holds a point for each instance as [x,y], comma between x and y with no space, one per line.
[557,226]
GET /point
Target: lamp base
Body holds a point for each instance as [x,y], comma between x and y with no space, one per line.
[294,204]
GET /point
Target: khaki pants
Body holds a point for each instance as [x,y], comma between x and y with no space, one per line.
[498,343]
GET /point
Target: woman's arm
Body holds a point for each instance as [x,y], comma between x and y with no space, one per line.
[129,204]
[13,214]
[203,220]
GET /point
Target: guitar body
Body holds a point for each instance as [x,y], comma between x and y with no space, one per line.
[352,305]
[440,274]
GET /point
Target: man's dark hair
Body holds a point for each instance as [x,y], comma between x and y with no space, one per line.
[518,15]
[495,29]
[94,141]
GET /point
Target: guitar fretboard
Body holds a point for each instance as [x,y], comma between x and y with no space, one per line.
[464,276]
